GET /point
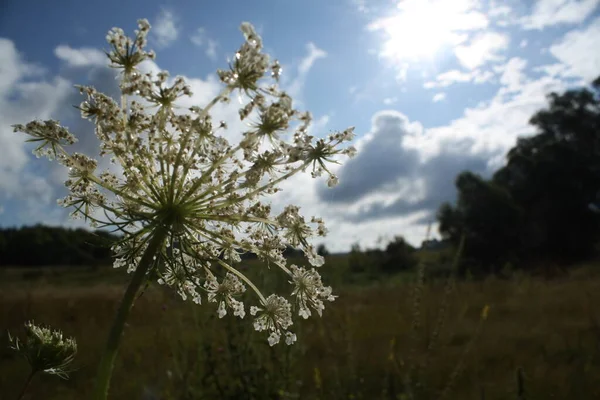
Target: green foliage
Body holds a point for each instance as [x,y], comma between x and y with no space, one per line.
[487,216]
[322,250]
[398,256]
[537,207]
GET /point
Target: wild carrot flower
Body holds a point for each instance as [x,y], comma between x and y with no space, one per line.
[188,202]
[45,350]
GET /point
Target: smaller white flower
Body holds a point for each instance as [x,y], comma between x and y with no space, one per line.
[290,338]
[45,350]
[177,275]
[51,135]
[274,338]
[350,151]
[332,181]
[275,316]
[309,291]
[224,293]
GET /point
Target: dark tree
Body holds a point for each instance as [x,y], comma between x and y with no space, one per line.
[43,245]
[398,256]
[536,207]
[322,250]
[488,217]
[555,175]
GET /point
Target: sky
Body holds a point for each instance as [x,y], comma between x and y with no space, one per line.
[433,87]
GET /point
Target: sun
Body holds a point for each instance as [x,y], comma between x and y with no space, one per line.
[419,29]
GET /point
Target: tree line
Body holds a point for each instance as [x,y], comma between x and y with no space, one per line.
[542,207]
[41,245]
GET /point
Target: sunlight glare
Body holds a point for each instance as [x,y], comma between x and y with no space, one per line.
[421,28]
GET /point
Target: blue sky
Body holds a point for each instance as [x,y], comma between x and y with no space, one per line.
[433,87]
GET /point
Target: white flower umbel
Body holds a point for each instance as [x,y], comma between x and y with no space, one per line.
[274,316]
[46,350]
[309,291]
[223,294]
[187,201]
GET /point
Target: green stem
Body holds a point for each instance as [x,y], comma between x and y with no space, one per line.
[26,385]
[110,353]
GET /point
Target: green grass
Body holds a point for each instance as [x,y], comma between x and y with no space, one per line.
[360,349]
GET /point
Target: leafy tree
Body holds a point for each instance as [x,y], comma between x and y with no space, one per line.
[488,217]
[555,175]
[536,207]
[322,250]
[399,256]
[41,245]
[357,261]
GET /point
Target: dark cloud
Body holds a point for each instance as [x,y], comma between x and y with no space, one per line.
[384,166]
[381,160]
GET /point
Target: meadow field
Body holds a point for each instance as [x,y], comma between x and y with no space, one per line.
[540,340]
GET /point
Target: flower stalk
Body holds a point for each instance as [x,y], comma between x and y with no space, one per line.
[116,331]
[26,385]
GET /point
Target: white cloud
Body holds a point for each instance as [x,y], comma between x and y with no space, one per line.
[480,76]
[361,6]
[211,49]
[578,50]
[557,70]
[12,68]
[523,43]
[81,57]
[314,53]
[317,127]
[553,12]
[165,28]
[388,101]
[495,125]
[448,78]
[305,65]
[201,39]
[499,11]
[453,76]
[482,49]
[439,97]
[513,75]
[20,102]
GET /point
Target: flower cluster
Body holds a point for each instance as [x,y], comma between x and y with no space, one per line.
[223,294]
[45,350]
[187,195]
[309,291]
